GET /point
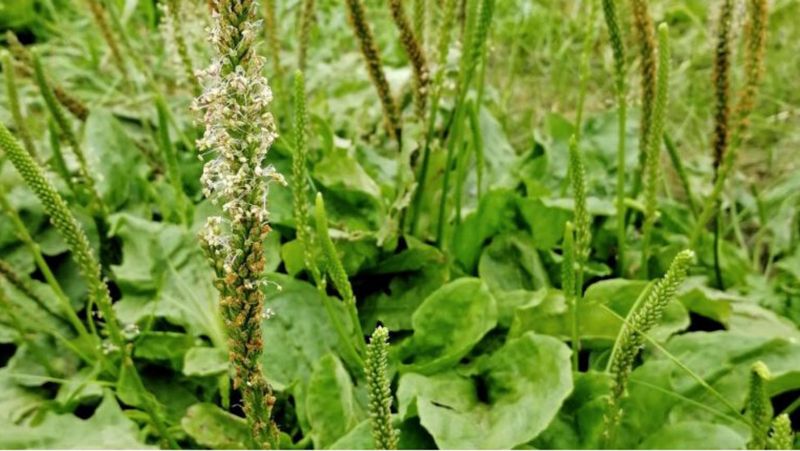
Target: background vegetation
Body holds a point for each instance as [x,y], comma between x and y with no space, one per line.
[481,311]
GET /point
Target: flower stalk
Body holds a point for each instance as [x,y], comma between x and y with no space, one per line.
[652,173]
[239,131]
[378,390]
[621,86]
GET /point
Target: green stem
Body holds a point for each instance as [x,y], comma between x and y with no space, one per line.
[681,170]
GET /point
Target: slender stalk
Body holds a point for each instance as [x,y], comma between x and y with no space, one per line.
[677,163]
[621,87]
[587,50]
[14,106]
[477,142]
[304,235]
[443,49]
[568,280]
[172,17]
[171,163]
[645,37]
[653,160]
[335,270]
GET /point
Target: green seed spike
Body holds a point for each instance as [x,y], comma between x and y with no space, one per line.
[334,268]
[645,37]
[69,228]
[14,106]
[759,407]
[755,33]
[173,9]
[307,22]
[363,32]
[618,48]
[73,105]
[652,174]
[378,390]
[66,129]
[99,16]
[271,35]
[644,315]
[419,21]
[782,436]
[722,68]
[416,55]
[583,234]
[568,279]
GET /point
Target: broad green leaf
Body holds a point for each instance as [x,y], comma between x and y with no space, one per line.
[511,263]
[713,304]
[205,361]
[298,334]
[107,428]
[497,212]
[526,382]
[420,270]
[117,163]
[16,401]
[694,435]
[448,324]
[723,360]
[351,195]
[163,346]
[330,402]
[548,314]
[215,428]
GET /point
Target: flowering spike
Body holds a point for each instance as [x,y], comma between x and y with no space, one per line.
[66,224]
[73,105]
[645,36]
[782,436]
[577,172]
[759,407]
[378,390]
[568,281]
[722,67]
[307,22]
[63,123]
[362,30]
[416,54]
[644,315]
[239,131]
[334,268]
[172,30]
[14,106]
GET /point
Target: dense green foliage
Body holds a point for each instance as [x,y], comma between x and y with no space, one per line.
[412,224]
